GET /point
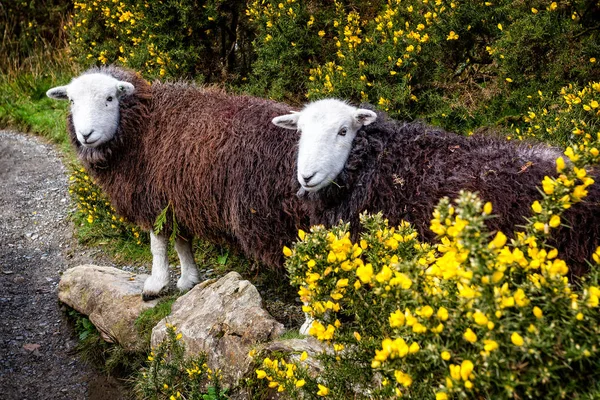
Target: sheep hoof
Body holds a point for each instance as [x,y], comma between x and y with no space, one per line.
[186,283]
[153,286]
[149,296]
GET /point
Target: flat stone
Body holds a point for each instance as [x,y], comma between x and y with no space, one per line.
[110,298]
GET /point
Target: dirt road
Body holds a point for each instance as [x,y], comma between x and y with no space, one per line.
[37,357]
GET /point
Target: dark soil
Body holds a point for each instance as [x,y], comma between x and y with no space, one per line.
[38,360]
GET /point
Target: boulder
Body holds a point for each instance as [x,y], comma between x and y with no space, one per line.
[110,297]
[223,319]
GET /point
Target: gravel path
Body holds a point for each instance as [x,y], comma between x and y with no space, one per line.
[37,357]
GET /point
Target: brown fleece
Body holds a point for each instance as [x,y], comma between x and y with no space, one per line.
[228,172]
[404,169]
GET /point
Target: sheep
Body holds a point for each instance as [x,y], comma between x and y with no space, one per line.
[404,169]
[213,158]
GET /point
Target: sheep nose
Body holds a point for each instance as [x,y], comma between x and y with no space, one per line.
[307,178]
[87,135]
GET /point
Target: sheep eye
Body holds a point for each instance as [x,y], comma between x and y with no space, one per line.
[343,132]
[109,98]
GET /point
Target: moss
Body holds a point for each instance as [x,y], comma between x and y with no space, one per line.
[149,318]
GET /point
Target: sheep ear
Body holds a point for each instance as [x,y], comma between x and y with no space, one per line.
[124,89]
[364,116]
[289,121]
[58,93]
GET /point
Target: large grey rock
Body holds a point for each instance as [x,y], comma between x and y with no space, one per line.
[223,319]
[110,297]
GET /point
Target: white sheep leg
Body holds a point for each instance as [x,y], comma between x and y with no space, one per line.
[305,328]
[160,266]
[189,270]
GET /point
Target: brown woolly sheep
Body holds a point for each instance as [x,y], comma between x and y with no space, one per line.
[216,158]
[404,169]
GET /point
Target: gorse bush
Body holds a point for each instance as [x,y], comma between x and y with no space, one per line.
[567,116]
[460,64]
[170,375]
[95,213]
[472,316]
[173,38]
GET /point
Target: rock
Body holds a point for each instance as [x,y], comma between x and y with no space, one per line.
[223,319]
[110,299]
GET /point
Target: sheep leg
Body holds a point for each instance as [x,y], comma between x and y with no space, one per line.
[189,270]
[305,328]
[160,266]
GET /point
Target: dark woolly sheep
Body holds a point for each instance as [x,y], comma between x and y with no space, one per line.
[404,169]
[216,158]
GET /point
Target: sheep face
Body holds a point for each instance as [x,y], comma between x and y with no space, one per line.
[327,128]
[94,102]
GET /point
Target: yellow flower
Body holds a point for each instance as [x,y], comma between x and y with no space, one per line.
[323,391]
[396,319]
[301,234]
[414,348]
[331,257]
[534,10]
[536,207]
[509,80]
[470,336]
[260,374]
[498,242]
[500,26]
[560,164]
[365,273]
[554,221]
[441,396]
[553,6]
[402,378]
[286,251]
[445,355]
[465,369]
[480,318]
[487,208]
[300,383]
[321,33]
[384,275]
[516,339]
[442,314]
[537,312]
[490,345]
[452,36]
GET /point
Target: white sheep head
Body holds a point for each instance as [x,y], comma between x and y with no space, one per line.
[94,101]
[327,128]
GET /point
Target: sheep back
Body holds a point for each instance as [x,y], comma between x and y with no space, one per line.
[404,169]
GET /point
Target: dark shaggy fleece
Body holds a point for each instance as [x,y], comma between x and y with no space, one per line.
[404,169]
[228,172]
